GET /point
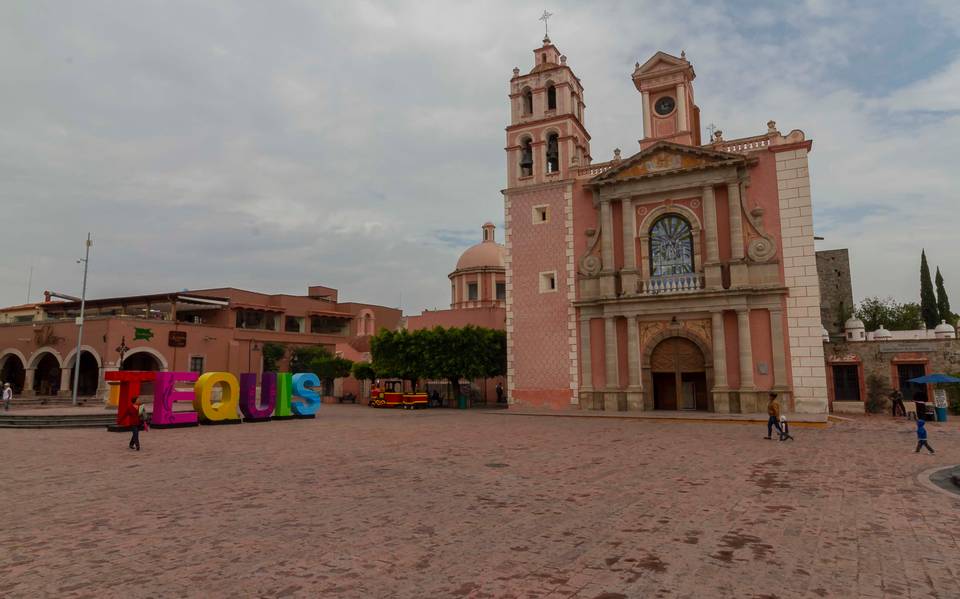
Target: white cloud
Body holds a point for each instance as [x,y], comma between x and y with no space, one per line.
[276,145]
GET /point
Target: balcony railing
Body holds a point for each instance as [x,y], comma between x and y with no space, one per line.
[682,283]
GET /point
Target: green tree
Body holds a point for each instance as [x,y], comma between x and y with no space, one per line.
[894,316]
[400,354]
[272,352]
[943,302]
[928,301]
[363,371]
[302,357]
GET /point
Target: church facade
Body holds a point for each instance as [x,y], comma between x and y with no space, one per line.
[682,277]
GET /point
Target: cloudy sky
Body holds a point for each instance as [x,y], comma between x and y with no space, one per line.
[272,145]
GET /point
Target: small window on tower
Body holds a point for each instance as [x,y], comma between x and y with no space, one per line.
[548,281]
[472,291]
[527,101]
[551,97]
[501,291]
[540,214]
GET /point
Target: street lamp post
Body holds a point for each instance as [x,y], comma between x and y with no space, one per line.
[83,302]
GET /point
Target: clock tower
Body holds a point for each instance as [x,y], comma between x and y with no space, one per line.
[665,83]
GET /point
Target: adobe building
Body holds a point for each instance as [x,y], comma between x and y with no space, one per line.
[680,277]
[221,329]
[478,289]
[858,359]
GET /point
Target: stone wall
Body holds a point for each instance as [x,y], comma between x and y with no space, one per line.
[836,289]
[881,358]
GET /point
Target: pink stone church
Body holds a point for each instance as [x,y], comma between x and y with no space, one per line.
[682,277]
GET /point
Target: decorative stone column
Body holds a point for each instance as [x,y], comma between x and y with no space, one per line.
[66,380]
[635,384]
[586,363]
[647,125]
[612,363]
[739,276]
[721,391]
[608,287]
[711,266]
[748,401]
[629,275]
[28,380]
[682,120]
[779,355]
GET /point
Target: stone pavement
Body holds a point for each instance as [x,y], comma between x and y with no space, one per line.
[443,503]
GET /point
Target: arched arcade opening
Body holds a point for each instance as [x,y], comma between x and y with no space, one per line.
[89,379]
[13,371]
[46,377]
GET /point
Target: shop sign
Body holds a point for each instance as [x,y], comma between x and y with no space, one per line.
[177,339]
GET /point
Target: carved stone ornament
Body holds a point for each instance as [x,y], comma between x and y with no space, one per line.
[45,336]
[590,264]
[762,248]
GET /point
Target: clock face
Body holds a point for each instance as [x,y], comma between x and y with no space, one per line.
[665,105]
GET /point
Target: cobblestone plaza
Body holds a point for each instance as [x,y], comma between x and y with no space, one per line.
[367,503]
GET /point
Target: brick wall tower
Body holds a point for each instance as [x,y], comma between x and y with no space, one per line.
[547,144]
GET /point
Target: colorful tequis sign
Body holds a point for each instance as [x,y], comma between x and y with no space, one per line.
[282,395]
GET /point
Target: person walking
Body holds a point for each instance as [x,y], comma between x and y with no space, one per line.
[773,411]
[922,437]
[896,398]
[135,415]
[7,396]
[499,392]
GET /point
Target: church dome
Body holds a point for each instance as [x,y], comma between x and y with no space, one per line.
[853,323]
[486,254]
[882,334]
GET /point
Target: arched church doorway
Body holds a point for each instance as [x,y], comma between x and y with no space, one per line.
[12,371]
[46,378]
[89,374]
[142,361]
[679,375]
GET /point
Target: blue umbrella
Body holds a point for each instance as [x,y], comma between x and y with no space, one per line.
[934,378]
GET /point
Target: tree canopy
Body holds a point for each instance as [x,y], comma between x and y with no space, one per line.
[943,302]
[454,353]
[890,313]
[928,301]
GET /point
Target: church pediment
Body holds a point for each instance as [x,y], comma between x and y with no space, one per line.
[661,61]
[664,158]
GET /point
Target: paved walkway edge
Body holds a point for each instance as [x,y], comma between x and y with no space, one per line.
[721,419]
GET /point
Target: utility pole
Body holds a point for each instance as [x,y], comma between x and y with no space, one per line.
[83,302]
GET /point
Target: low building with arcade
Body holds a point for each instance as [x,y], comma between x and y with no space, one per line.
[219,329]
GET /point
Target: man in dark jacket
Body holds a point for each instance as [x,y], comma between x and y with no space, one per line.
[134,416]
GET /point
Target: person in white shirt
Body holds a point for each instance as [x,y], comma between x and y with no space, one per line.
[7,396]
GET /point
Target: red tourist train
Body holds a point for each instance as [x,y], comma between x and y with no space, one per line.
[391,395]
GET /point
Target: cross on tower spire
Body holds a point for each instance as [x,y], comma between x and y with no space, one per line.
[545,17]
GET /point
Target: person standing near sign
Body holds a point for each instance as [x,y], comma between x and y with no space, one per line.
[135,414]
[896,398]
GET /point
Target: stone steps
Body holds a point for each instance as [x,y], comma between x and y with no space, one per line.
[56,420]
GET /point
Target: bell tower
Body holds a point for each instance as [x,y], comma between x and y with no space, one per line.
[546,137]
[665,83]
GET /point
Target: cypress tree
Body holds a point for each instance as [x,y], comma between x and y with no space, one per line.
[943,302]
[928,301]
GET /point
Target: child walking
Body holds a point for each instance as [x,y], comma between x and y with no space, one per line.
[922,437]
